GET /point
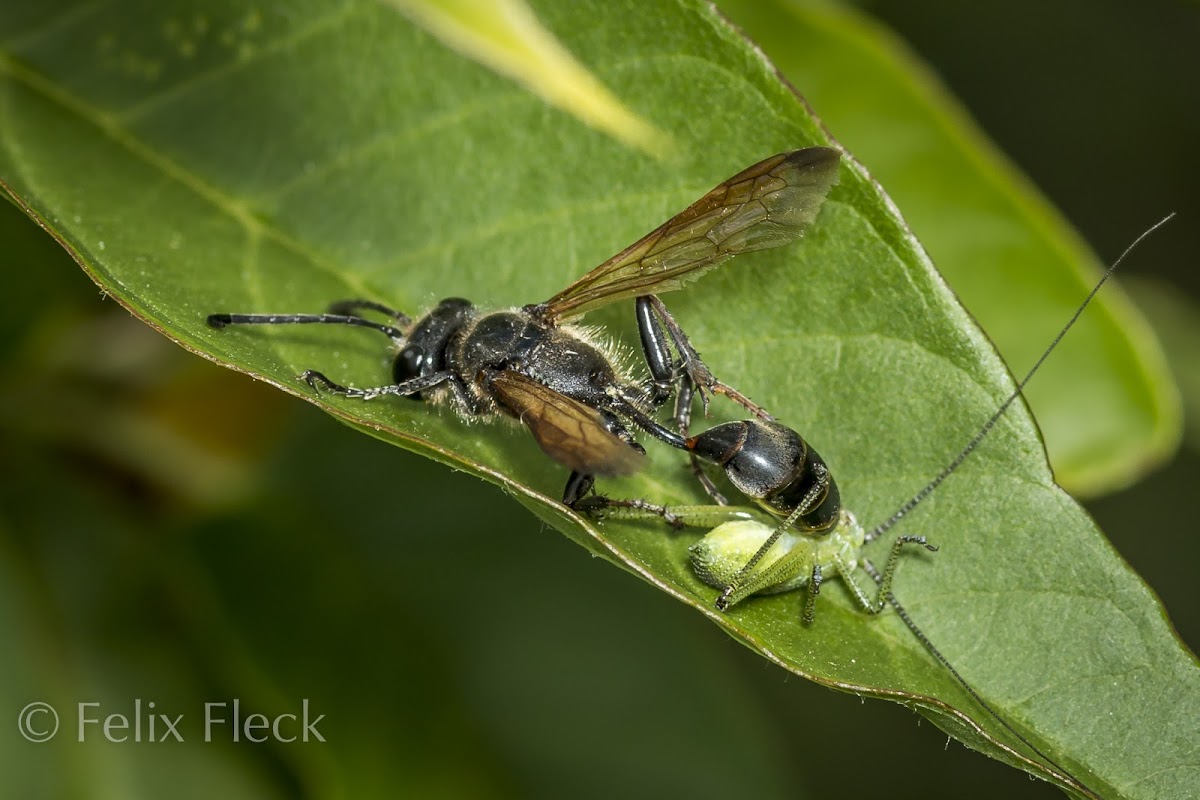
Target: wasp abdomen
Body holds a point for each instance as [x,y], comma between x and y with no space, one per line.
[774,465]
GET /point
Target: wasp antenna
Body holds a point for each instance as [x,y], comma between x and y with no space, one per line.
[1062,771]
[949,469]
[223,320]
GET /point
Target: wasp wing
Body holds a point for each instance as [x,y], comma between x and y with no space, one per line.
[569,431]
[766,205]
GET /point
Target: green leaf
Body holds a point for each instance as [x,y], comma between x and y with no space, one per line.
[201,158]
[1177,323]
[1108,407]
[506,36]
[66,605]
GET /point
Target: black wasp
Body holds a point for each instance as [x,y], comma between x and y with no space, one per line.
[536,365]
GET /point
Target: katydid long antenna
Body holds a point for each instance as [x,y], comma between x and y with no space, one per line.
[950,468]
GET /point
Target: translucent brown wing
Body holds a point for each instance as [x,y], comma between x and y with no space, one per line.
[570,432]
[765,205]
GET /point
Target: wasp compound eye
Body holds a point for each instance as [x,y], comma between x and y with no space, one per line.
[408,363]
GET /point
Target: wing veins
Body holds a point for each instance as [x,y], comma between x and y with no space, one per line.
[765,205]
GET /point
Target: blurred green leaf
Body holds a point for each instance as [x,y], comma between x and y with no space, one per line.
[98,386]
[203,157]
[82,613]
[1176,320]
[1107,406]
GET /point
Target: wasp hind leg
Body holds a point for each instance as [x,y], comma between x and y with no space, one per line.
[654,320]
[659,332]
